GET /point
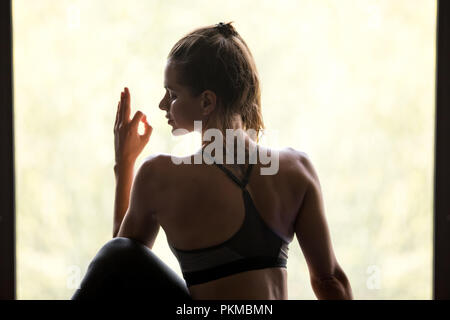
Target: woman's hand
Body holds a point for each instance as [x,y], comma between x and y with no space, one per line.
[128,143]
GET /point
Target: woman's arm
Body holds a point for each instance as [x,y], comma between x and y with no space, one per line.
[140,222]
[124,178]
[328,280]
[128,144]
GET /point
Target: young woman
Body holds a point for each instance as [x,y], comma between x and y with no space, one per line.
[228,225]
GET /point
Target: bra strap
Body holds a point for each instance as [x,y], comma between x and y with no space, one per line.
[247,175]
[242,183]
[232,176]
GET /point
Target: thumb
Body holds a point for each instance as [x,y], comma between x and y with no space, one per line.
[136,119]
[148,129]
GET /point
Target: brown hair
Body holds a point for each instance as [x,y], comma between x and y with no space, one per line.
[217,58]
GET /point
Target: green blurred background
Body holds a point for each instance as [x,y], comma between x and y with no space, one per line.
[349,82]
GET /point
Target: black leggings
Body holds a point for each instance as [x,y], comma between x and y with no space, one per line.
[126,269]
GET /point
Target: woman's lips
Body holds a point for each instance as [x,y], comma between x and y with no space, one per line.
[169,121]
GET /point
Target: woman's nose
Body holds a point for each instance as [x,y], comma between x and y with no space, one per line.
[162,104]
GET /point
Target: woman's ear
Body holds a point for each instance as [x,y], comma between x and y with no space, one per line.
[208,103]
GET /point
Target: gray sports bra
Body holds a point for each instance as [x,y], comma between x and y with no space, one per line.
[253,246]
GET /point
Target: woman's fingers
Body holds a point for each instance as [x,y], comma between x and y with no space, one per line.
[121,114]
[136,119]
[126,105]
[124,109]
[116,123]
[148,129]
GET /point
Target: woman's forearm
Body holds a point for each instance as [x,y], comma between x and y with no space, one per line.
[124,174]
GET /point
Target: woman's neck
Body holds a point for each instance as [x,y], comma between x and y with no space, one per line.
[238,143]
[236,125]
[236,147]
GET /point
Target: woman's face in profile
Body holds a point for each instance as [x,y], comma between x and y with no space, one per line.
[181,108]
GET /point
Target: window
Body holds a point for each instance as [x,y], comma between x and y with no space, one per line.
[351,83]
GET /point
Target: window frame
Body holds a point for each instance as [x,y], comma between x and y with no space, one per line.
[7,187]
[441,227]
[441,206]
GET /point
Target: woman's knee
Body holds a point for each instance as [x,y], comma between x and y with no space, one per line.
[132,266]
[119,245]
[128,256]
[115,251]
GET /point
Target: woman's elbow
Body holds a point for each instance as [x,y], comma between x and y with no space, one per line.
[333,287]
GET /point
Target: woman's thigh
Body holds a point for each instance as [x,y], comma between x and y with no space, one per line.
[126,269]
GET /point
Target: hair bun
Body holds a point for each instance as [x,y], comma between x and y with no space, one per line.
[226,29]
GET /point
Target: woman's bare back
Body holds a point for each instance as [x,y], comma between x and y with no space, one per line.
[199,206]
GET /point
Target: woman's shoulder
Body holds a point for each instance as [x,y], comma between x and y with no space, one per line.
[296,154]
[293,158]
[167,160]
[161,160]
[292,162]
[164,165]
[297,167]
[304,165]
